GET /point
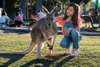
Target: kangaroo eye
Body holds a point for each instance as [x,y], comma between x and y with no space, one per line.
[49,24]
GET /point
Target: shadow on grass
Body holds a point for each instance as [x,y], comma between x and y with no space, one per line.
[16,31]
[12,58]
[56,60]
[62,61]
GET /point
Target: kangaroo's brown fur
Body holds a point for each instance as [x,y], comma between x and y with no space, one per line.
[43,30]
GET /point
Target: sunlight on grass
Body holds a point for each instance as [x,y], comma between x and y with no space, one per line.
[89,51]
[14,42]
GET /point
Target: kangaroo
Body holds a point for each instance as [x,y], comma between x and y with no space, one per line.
[43,30]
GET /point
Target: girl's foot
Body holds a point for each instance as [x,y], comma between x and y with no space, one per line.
[75,53]
[67,52]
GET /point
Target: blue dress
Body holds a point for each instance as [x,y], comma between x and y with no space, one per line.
[68,25]
[72,37]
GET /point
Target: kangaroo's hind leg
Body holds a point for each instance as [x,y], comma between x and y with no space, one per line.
[29,49]
[38,55]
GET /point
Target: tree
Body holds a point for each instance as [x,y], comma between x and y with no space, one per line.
[80,1]
[10,7]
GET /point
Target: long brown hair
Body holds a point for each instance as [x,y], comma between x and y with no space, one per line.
[76,13]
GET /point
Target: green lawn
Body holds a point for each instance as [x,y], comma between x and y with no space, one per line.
[89,53]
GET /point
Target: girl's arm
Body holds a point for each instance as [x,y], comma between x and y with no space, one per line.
[80,21]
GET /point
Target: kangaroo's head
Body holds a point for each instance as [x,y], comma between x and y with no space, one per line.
[48,22]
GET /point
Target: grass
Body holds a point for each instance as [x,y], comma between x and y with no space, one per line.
[89,52]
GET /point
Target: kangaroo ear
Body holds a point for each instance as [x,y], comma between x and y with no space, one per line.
[53,10]
[52,13]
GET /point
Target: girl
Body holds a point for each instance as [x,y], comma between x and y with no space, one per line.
[71,27]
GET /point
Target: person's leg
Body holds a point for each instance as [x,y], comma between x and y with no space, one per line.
[65,43]
[76,42]
[41,15]
[67,49]
[39,4]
